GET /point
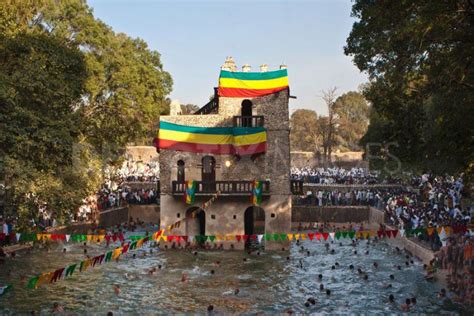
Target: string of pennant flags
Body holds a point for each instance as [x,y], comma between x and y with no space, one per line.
[25,237]
[441,231]
[137,242]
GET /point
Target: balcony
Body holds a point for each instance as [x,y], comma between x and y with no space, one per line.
[235,188]
[297,187]
[249,121]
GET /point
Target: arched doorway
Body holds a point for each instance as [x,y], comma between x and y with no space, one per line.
[246,111]
[208,174]
[254,223]
[181,173]
[195,221]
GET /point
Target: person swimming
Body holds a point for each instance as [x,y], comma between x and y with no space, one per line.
[184,277]
[117,289]
[236,291]
[57,308]
[320,276]
[391,299]
[333,267]
[366,277]
[328,292]
[312,300]
[392,277]
[321,287]
[376,265]
[406,306]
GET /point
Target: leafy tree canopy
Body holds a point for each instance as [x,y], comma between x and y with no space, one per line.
[419,56]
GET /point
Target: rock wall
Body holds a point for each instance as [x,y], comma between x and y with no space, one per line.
[147,213]
[335,214]
[113,217]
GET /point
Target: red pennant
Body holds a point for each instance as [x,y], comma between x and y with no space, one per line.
[170,238]
[394,233]
[311,236]
[253,237]
[185,238]
[238,237]
[125,248]
[380,233]
[388,233]
[325,236]
[246,237]
[114,237]
[120,237]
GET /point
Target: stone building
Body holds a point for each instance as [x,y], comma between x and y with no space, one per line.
[232,213]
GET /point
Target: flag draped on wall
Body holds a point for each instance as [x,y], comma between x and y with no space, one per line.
[251,84]
[214,140]
[190,191]
[257,192]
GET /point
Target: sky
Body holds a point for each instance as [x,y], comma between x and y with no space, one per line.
[194,38]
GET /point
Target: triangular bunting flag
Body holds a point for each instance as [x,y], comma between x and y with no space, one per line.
[238,237]
[344,234]
[332,234]
[337,235]
[290,237]
[402,232]
[68,237]
[282,237]
[325,236]
[212,238]
[351,234]
[318,236]
[311,236]
[268,237]
[259,238]
[18,235]
[303,236]
[430,231]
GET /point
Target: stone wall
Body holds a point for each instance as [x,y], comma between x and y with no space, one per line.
[113,217]
[376,216]
[346,160]
[335,214]
[145,154]
[147,213]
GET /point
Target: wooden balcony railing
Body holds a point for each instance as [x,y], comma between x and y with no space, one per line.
[249,121]
[297,187]
[224,187]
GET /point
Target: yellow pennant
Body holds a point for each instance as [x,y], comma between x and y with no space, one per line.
[290,236]
[439,229]
[430,230]
[447,229]
[303,236]
[140,242]
[116,253]
[297,236]
[229,237]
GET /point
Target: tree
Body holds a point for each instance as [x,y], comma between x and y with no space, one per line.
[352,112]
[73,94]
[189,108]
[328,126]
[305,134]
[419,56]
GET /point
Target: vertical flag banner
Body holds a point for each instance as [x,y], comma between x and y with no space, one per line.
[257,193]
[190,192]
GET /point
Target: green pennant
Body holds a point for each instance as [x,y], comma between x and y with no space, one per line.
[268,237]
[133,245]
[352,234]
[344,234]
[276,237]
[81,265]
[108,256]
[283,237]
[135,237]
[70,269]
[338,235]
[32,282]
[212,238]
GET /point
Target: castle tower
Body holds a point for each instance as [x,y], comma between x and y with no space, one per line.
[253,106]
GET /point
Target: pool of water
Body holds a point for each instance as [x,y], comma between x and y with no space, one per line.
[268,282]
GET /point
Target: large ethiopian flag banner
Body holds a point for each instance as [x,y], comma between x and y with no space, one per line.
[213,140]
[251,84]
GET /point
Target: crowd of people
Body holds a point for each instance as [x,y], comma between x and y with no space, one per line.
[334,175]
[351,197]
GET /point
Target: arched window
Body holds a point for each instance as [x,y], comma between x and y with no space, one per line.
[181,173]
[246,112]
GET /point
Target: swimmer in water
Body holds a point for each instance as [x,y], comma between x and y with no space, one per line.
[391,299]
[406,306]
[57,309]
[376,265]
[184,277]
[312,300]
[351,267]
[392,277]
[442,293]
[117,289]
[366,277]
[333,267]
[328,292]
[321,287]
[236,291]
[320,276]
[64,250]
